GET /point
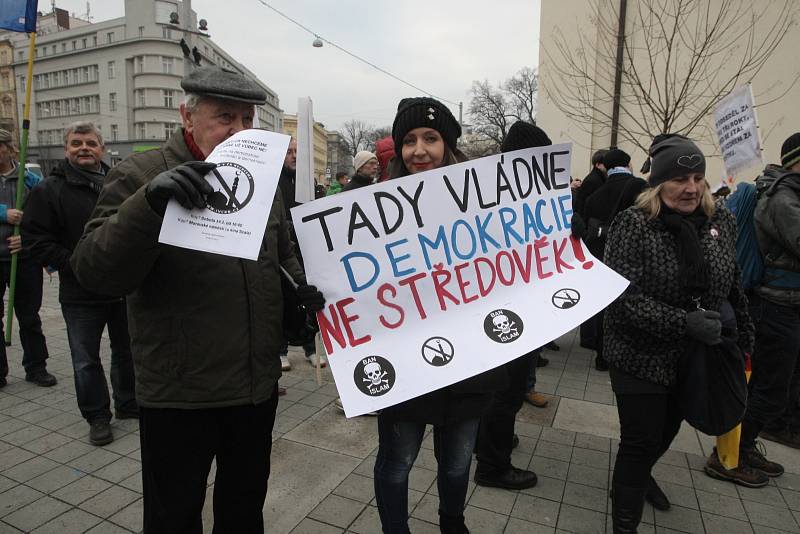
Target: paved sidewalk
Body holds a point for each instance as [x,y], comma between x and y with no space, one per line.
[52,480]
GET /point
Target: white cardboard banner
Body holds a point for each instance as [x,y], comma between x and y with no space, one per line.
[436,277]
[235,218]
[737,130]
[304,178]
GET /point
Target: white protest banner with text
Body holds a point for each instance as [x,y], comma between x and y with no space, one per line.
[235,218]
[737,130]
[435,277]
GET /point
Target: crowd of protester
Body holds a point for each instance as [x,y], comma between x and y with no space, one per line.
[200,334]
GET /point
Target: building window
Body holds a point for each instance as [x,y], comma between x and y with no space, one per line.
[7,107]
[166,33]
[112,70]
[55,50]
[167,64]
[141,132]
[169,129]
[112,101]
[169,98]
[140,98]
[74,46]
[94,43]
[63,47]
[110,37]
[114,132]
[5,82]
[141,31]
[19,55]
[139,64]
[83,43]
[3,57]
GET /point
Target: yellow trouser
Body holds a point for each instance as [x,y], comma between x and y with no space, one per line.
[728,444]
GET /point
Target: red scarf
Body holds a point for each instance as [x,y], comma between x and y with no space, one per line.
[188,138]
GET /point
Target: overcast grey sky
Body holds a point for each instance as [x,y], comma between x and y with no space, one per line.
[438,45]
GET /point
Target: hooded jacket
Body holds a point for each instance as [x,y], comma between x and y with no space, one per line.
[777,222]
[55,214]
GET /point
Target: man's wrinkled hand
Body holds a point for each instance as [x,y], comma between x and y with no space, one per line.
[13,216]
[185,183]
[14,244]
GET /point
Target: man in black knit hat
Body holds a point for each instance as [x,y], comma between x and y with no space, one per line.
[496,432]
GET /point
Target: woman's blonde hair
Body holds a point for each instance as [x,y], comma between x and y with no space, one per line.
[649,201]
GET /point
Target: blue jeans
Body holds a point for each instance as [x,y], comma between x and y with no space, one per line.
[775,374]
[85,324]
[399,443]
[28,300]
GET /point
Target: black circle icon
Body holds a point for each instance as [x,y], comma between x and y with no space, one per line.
[437,351]
[566,298]
[374,376]
[233,188]
[503,326]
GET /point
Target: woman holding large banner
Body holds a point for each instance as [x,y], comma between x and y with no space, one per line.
[425,134]
[684,301]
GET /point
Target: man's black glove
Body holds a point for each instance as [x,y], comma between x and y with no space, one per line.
[578,226]
[704,326]
[310,297]
[185,183]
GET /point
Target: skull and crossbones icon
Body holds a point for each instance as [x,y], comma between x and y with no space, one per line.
[503,325]
[374,374]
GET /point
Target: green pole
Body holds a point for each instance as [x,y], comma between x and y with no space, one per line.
[23,154]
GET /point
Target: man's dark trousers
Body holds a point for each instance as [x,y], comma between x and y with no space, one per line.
[27,301]
[496,432]
[774,363]
[177,449]
[85,324]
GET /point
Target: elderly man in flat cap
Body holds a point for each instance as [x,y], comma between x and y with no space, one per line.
[205,328]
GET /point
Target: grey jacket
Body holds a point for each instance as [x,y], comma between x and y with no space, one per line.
[777,222]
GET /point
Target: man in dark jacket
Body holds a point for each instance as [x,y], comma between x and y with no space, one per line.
[366,165]
[205,328]
[617,194]
[591,183]
[777,350]
[57,210]
[29,274]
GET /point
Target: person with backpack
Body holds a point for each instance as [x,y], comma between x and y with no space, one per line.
[777,349]
[617,194]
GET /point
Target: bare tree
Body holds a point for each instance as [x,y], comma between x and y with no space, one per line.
[493,110]
[376,134]
[490,112]
[355,133]
[679,58]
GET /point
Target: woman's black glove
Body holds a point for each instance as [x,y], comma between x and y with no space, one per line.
[310,297]
[704,326]
[578,226]
[185,183]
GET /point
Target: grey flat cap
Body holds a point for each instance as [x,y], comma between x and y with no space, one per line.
[223,83]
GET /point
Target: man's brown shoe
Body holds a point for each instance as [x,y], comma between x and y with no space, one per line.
[537,399]
[744,475]
[757,459]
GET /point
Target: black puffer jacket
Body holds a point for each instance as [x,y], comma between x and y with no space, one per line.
[357,181]
[645,328]
[777,219]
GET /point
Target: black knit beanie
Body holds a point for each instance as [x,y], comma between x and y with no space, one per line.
[424,112]
[790,151]
[524,135]
[616,158]
[673,156]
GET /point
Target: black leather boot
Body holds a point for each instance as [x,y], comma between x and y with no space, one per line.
[627,505]
[452,524]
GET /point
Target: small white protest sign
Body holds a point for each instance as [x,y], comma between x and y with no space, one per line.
[235,218]
[737,130]
[436,277]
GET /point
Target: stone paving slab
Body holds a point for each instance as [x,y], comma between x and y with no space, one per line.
[53,481]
